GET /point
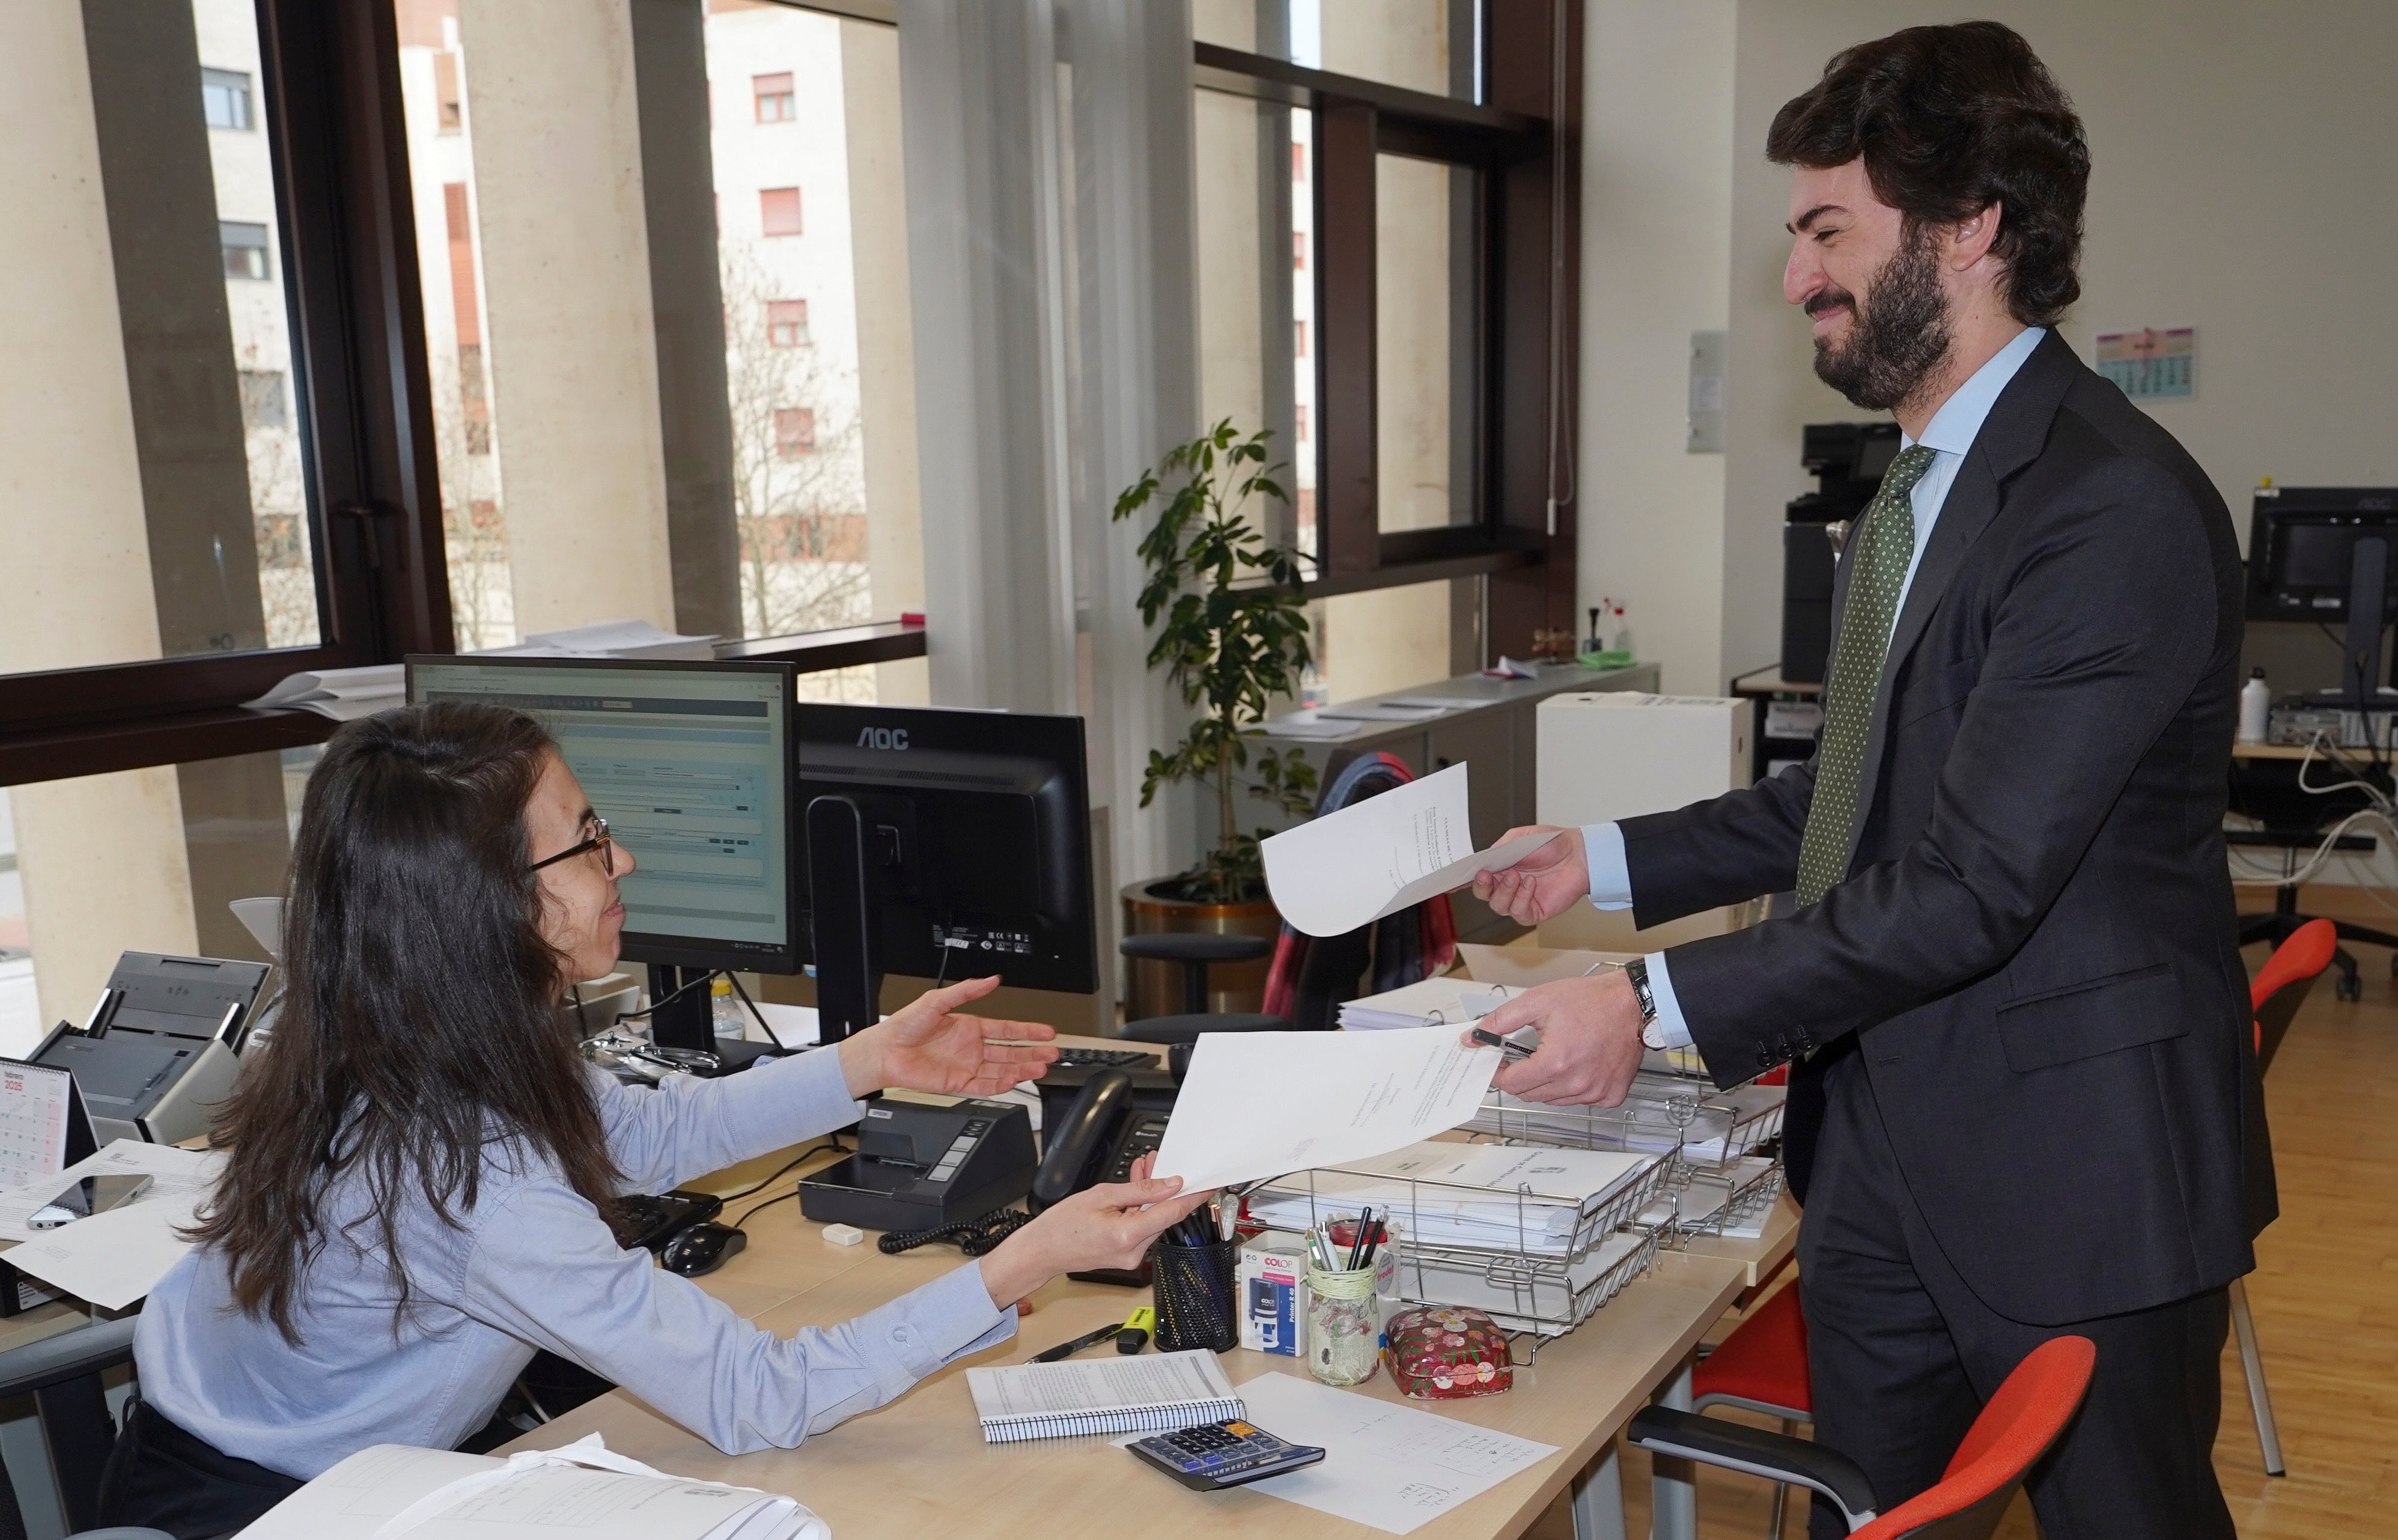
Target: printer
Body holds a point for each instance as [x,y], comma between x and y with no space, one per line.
[159,1050]
[918,1166]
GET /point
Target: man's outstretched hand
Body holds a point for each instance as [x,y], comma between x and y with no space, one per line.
[1545,883]
[1590,1041]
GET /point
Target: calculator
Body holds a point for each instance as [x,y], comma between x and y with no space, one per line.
[1215,1456]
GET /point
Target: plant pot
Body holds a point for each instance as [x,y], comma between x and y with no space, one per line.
[1152,988]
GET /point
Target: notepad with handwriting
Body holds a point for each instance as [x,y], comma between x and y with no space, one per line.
[1153,1393]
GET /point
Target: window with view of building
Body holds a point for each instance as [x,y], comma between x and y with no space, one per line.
[786,323]
[778,210]
[224,98]
[245,250]
[774,98]
[795,430]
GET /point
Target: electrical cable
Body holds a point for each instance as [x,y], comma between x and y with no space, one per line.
[786,1197]
[756,1015]
[833,1142]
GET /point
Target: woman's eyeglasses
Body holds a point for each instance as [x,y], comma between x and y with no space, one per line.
[602,842]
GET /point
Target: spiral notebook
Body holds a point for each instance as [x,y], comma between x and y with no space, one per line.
[1153,1392]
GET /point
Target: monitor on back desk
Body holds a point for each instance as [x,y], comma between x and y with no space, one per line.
[692,765]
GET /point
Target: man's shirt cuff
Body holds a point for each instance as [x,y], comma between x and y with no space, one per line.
[1670,1020]
[1610,878]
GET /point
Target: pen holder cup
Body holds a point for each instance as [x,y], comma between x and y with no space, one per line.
[1197,1294]
[1344,1326]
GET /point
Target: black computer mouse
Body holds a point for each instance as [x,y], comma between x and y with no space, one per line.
[701,1248]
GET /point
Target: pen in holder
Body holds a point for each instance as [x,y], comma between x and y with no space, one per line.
[1195,1293]
[1344,1319]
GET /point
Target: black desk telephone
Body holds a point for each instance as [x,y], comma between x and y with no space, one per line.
[1101,1133]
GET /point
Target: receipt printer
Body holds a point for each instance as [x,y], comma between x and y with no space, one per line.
[917,1166]
[158,1051]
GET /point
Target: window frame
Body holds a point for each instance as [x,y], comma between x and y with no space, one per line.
[1525,141]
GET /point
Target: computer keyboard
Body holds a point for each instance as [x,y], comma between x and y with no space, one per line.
[1104,1059]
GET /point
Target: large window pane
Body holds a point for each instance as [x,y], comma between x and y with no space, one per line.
[1425,373]
[158,503]
[741,463]
[1423,44]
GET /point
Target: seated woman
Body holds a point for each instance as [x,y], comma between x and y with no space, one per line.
[422,1166]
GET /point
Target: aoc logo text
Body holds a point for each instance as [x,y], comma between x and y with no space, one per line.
[882,737]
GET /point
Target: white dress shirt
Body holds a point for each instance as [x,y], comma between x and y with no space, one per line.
[1950,433]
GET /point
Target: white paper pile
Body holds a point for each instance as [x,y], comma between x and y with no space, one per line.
[343,695]
[1523,1298]
[1499,1197]
[1451,999]
[1662,1115]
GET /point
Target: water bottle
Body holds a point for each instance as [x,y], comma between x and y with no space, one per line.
[724,1010]
[2256,707]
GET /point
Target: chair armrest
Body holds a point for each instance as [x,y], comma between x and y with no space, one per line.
[68,1356]
[1775,1456]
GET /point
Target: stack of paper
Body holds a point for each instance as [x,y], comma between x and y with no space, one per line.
[1531,1299]
[1451,999]
[343,695]
[609,638]
[1525,1198]
[1308,724]
[583,1492]
[1663,1114]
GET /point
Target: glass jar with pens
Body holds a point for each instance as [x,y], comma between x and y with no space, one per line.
[1192,1279]
[1344,1319]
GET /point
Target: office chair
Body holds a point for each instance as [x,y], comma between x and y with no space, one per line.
[62,1374]
[1762,1367]
[2275,995]
[2017,1427]
[2293,819]
[1194,949]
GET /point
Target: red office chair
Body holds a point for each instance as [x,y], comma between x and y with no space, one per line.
[2012,1432]
[2274,995]
[1762,1367]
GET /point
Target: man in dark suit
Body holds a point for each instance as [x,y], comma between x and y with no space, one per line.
[2024,1101]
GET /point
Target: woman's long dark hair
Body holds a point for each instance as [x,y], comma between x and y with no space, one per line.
[420,1018]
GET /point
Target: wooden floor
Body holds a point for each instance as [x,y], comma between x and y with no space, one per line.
[2324,1293]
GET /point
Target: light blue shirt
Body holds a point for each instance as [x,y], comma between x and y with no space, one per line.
[1950,433]
[532,1265]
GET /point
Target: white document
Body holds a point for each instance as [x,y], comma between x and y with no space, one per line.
[1391,1466]
[1308,724]
[343,695]
[112,1257]
[173,1172]
[1259,1104]
[1334,874]
[583,1492]
[1387,710]
[625,638]
[33,1100]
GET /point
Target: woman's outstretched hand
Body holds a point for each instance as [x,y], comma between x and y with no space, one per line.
[929,1046]
[1110,1226]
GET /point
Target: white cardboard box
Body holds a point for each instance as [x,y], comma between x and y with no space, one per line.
[1607,755]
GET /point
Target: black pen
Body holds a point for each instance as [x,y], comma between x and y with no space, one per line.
[1492,1039]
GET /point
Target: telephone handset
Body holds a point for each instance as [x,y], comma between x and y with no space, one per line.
[1097,1140]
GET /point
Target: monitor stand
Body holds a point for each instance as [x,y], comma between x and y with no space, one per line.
[849,981]
[689,1022]
[2359,674]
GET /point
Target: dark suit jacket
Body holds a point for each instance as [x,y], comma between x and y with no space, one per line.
[2033,954]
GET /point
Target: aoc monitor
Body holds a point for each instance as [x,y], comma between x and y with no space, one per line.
[942,844]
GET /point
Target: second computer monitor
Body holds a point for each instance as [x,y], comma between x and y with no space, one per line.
[974,829]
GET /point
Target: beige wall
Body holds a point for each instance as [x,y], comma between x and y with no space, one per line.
[573,352]
[2239,157]
[102,858]
[1656,211]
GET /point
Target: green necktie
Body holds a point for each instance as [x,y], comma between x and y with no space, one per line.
[1877,562]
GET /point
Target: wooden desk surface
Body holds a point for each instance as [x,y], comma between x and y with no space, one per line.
[920,1465]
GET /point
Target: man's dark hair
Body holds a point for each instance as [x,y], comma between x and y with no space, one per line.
[1949,120]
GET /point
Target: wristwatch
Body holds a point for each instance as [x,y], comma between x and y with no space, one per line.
[1651,1033]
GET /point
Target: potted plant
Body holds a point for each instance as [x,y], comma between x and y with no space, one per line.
[1230,624]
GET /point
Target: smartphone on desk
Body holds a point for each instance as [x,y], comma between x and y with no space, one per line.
[93,1195]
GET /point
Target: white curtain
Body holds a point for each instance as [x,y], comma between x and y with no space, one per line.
[1052,251]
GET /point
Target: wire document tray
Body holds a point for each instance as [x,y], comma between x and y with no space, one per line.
[1693,1204]
[1549,1228]
[1701,1129]
[1523,1298]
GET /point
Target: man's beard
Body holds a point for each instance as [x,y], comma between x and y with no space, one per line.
[1896,339]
